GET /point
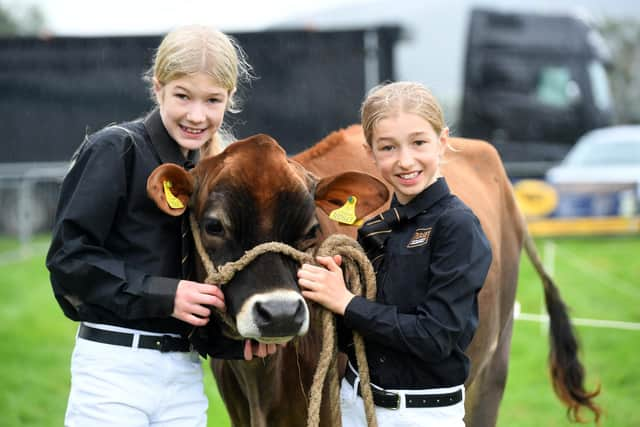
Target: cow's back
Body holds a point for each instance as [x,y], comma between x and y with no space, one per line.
[475,173]
[472,168]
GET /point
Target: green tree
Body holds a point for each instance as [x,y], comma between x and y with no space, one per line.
[623,38]
[23,21]
[8,25]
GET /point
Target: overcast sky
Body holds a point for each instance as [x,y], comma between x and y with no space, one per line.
[89,17]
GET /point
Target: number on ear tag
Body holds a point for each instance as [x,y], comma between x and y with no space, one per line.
[346,214]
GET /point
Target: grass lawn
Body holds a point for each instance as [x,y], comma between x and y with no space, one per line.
[597,279]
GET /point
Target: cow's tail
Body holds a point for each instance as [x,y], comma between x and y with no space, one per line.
[567,372]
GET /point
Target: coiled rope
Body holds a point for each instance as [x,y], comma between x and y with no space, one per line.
[359,277]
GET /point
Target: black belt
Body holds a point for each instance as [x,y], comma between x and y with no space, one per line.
[163,343]
[391,400]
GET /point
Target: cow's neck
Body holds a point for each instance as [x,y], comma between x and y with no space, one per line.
[287,374]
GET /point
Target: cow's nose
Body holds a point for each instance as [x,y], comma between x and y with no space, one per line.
[277,318]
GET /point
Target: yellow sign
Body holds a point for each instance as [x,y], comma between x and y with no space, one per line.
[535,197]
[586,226]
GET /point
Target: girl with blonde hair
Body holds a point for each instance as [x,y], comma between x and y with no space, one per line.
[121,268]
[431,258]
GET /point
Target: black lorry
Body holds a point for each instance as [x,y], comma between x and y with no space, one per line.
[533,83]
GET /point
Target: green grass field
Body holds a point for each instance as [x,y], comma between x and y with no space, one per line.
[597,279]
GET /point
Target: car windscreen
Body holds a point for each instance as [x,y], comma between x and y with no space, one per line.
[602,153]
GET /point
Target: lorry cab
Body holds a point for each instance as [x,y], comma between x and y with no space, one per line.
[533,83]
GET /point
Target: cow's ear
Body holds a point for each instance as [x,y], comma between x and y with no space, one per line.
[170,186]
[337,191]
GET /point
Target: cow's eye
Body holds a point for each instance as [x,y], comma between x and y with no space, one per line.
[213,226]
[309,239]
[312,233]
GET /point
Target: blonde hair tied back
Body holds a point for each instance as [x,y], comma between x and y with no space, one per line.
[388,99]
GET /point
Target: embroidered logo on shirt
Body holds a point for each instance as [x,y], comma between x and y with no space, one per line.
[420,238]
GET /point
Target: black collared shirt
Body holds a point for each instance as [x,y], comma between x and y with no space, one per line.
[426,309]
[114,256]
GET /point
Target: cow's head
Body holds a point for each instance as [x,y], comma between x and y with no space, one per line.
[252,193]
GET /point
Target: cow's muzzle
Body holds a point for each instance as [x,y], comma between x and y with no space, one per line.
[273,317]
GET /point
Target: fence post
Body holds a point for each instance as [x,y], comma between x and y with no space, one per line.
[24,210]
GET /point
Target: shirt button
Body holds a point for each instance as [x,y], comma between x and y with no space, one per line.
[382,359]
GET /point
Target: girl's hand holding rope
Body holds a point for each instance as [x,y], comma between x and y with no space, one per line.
[325,284]
[192,300]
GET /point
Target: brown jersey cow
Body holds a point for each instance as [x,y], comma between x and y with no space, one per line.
[248,195]
[251,193]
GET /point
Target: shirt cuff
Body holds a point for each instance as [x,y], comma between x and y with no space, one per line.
[357,313]
[161,293]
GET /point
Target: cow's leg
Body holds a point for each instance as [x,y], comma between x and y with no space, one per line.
[231,393]
[488,388]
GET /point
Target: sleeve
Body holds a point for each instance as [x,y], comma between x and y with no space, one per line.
[344,335]
[87,277]
[460,261]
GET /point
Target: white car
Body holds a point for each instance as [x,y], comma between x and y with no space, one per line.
[605,165]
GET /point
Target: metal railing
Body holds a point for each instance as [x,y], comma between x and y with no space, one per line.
[28,197]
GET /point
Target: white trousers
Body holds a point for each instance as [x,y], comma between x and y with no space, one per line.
[353,414]
[113,385]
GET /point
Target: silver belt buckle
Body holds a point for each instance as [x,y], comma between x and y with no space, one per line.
[393,394]
[398,401]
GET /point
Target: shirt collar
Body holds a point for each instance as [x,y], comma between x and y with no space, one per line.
[166,147]
[423,201]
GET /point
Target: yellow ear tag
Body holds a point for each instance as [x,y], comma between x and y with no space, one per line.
[172,200]
[346,214]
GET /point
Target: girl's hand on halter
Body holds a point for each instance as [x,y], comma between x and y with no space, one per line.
[192,299]
[324,284]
